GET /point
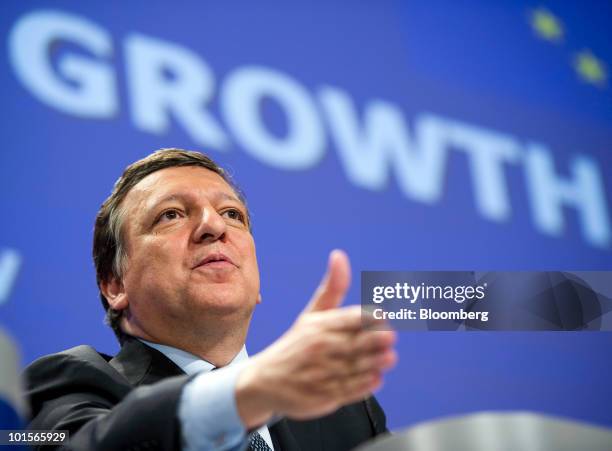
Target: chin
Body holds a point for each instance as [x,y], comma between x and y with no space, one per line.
[223,302]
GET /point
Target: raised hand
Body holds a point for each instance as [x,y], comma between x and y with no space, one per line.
[329,357]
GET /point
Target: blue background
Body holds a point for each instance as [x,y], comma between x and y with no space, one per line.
[475,62]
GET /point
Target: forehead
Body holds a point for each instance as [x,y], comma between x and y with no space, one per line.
[193,180]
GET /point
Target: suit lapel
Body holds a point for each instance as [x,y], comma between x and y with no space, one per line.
[282,437]
[143,365]
[290,435]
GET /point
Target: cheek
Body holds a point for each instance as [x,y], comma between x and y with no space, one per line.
[156,262]
[252,268]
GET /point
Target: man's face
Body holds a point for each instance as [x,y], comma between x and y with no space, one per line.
[191,256]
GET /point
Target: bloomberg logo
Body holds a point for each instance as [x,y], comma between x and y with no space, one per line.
[372,144]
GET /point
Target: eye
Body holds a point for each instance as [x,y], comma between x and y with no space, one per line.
[168,215]
[234,214]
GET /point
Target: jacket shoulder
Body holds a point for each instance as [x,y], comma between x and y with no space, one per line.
[89,394]
[79,369]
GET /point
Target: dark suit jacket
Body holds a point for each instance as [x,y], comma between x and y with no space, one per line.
[130,402]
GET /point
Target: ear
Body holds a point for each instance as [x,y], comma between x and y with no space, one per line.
[259,298]
[114,293]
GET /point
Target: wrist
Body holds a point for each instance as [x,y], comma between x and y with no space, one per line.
[254,399]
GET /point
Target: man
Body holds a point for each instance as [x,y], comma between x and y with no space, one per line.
[178,276]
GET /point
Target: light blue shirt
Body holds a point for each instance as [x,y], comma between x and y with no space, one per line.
[207,407]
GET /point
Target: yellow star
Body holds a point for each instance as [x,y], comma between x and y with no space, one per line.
[546,25]
[590,68]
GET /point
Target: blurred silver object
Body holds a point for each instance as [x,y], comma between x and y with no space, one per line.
[11,397]
[497,431]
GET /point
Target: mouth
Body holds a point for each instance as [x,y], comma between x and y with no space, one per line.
[216,260]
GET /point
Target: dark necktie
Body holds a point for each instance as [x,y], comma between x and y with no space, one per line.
[257,443]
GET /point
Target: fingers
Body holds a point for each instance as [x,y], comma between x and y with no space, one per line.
[339,344]
[374,362]
[335,283]
[352,318]
[361,388]
[337,359]
[340,369]
[347,359]
[369,341]
[351,388]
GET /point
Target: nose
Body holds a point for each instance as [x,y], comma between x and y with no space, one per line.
[211,227]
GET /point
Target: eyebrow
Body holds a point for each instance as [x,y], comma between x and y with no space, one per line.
[218,195]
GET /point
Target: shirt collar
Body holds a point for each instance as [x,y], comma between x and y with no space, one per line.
[189,363]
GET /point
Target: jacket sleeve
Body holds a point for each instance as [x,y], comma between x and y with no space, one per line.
[99,408]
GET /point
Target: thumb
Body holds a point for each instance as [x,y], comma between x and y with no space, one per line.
[335,283]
